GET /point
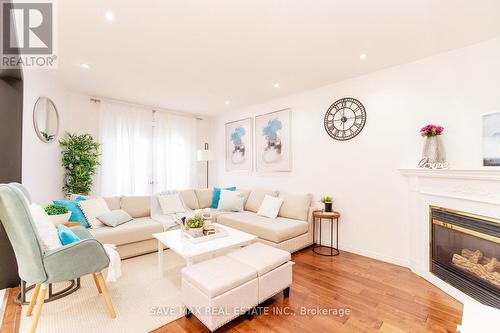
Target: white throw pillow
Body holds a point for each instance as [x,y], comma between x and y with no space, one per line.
[171,203]
[46,229]
[270,206]
[93,208]
[231,205]
[226,194]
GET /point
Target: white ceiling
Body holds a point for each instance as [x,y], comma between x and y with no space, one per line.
[194,55]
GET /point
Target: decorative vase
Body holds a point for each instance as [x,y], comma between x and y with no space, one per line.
[61,218]
[195,232]
[433,150]
[328,207]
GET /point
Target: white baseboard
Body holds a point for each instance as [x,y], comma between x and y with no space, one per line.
[374,255]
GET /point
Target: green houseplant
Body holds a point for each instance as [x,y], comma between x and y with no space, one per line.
[58,214]
[327,200]
[195,225]
[80,158]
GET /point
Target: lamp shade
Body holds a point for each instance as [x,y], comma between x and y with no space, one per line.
[204,155]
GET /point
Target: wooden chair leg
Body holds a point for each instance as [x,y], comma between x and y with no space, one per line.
[105,293]
[38,308]
[96,283]
[33,300]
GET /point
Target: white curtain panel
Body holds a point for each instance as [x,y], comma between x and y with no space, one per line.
[174,152]
[126,134]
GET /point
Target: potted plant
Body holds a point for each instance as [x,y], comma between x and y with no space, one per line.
[194,226]
[328,203]
[58,214]
[80,159]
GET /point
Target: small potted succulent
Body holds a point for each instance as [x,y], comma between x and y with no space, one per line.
[58,214]
[194,226]
[328,203]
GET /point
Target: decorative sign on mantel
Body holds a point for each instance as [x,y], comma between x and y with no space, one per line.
[433,154]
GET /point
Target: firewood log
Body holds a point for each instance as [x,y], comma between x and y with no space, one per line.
[477,269]
[493,265]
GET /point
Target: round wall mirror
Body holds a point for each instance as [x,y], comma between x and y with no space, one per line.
[46,119]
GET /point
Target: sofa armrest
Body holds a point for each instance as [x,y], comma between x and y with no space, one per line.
[314,206]
[81,232]
[75,260]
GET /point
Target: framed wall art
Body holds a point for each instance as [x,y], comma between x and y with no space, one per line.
[239,145]
[273,146]
[491,139]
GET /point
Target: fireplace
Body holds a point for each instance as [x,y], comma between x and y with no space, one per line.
[465,252]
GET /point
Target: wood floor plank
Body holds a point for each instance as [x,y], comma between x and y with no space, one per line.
[379,296]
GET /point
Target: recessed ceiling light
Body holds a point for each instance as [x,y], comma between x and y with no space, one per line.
[109,16]
[85,66]
[276,85]
[226,102]
[363,56]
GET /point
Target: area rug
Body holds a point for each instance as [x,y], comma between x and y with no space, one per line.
[142,299]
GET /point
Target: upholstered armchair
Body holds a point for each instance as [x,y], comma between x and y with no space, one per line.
[86,256]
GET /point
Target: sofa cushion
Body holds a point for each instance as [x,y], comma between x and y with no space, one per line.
[295,206]
[263,258]
[136,206]
[205,197]
[92,208]
[270,206]
[134,231]
[274,230]
[190,199]
[113,202]
[114,218]
[216,276]
[245,194]
[256,197]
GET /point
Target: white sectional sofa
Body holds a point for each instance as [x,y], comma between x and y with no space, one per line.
[290,231]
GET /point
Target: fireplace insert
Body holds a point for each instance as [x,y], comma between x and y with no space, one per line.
[465,252]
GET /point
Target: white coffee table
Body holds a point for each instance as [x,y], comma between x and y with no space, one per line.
[191,252]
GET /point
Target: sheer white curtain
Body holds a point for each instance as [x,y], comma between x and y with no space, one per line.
[145,152]
[174,152]
[126,135]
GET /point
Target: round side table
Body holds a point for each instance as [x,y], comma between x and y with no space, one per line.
[331,217]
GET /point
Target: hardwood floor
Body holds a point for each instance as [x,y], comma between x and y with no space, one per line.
[378,297]
[12,314]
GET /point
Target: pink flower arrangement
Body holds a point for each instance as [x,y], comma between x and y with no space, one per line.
[431,130]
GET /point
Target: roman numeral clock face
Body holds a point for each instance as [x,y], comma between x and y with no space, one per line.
[345,119]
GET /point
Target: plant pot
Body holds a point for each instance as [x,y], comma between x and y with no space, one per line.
[328,207]
[433,150]
[195,232]
[61,218]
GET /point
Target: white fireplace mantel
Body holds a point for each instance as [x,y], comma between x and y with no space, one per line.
[478,174]
[474,191]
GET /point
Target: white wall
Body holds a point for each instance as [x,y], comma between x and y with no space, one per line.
[42,171]
[451,89]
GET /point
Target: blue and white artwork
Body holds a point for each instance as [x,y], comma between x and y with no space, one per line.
[491,139]
[239,145]
[273,141]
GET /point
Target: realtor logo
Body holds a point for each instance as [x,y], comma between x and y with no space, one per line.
[27,34]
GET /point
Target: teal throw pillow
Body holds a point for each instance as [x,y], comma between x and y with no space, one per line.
[76,212]
[216,198]
[66,235]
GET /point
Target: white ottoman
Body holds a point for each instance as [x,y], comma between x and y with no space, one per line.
[273,266]
[218,290]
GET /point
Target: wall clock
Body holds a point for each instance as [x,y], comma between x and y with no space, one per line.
[345,119]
